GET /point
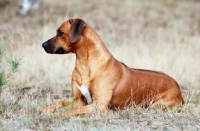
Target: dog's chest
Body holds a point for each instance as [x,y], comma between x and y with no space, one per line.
[82,75]
[86,93]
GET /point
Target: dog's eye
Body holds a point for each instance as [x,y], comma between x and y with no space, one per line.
[59,33]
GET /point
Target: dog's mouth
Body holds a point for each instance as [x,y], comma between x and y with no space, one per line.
[60,51]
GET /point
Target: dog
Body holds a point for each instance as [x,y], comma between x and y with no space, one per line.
[101,82]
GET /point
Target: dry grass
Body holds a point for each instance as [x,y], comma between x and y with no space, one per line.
[157,34]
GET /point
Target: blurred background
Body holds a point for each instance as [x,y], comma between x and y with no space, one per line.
[162,35]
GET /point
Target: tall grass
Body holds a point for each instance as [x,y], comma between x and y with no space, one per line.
[13,64]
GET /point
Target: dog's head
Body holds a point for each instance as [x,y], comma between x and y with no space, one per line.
[67,36]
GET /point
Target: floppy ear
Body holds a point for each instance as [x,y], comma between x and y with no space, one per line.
[77,27]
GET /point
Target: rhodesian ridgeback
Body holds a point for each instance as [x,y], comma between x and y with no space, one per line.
[99,81]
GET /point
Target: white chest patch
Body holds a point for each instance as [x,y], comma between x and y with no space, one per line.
[84,90]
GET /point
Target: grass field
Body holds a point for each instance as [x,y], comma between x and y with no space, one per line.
[161,35]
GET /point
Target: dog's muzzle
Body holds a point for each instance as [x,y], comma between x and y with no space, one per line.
[50,49]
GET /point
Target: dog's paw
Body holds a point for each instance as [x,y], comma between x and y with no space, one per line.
[61,114]
[46,109]
[57,114]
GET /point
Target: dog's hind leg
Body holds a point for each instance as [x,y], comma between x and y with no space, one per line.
[163,103]
[168,98]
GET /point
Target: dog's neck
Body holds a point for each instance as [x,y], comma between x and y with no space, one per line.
[91,50]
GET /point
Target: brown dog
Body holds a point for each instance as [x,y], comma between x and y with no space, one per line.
[103,82]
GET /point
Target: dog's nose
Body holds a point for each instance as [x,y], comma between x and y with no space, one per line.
[44,45]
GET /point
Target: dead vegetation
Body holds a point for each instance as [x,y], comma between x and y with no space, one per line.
[157,34]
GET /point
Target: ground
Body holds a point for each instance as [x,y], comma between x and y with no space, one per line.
[161,35]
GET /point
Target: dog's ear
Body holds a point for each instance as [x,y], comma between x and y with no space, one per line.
[77,27]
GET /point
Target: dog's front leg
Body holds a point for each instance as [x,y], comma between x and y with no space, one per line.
[89,109]
[100,105]
[77,101]
[51,108]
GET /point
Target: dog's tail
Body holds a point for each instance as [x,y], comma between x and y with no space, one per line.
[84,90]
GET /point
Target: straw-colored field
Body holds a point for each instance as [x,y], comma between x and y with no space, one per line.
[161,35]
